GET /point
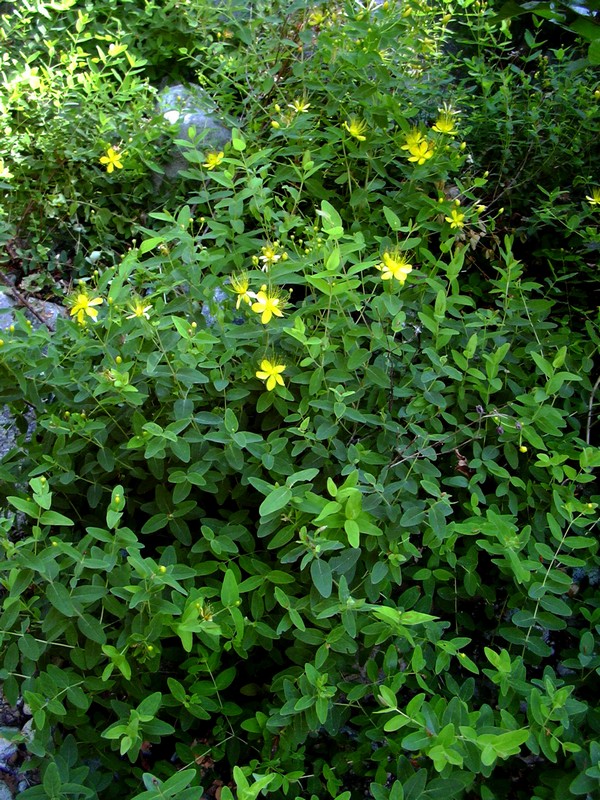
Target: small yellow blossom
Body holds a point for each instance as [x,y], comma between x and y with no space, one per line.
[594,198]
[413,138]
[317,18]
[275,124]
[139,310]
[269,255]
[422,152]
[240,284]
[522,449]
[299,106]
[213,160]
[83,305]
[456,219]
[394,265]
[445,123]
[356,127]
[268,303]
[112,159]
[271,373]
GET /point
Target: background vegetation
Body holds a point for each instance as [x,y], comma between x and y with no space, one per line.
[310,505]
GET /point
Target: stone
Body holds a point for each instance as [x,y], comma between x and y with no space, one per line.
[8,749]
[191,108]
[5,792]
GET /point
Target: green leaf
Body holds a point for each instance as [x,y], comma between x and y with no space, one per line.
[52,782]
[150,705]
[237,140]
[229,590]
[59,597]
[275,501]
[320,572]
[231,422]
[392,219]
[26,506]
[395,723]
[54,518]
[352,532]
[331,220]
[91,628]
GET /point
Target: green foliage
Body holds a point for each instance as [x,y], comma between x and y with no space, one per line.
[309,506]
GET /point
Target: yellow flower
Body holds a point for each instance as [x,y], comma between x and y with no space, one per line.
[213,160]
[317,18]
[455,219]
[83,305]
[300,106]
[356,127]
[594,199]
[268,304]
[445,123]
[413,139]
[138,310]
[240,283]
[271,373]
[421,152]
[112,159]
[270,255]
[394,265]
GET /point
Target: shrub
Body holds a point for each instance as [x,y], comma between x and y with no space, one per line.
[308,507]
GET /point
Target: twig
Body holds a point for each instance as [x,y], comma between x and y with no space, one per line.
[590,406]
[22,301]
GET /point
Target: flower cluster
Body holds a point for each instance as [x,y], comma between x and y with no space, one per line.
[269,302]
[445,122]
[270,255]
[419,148]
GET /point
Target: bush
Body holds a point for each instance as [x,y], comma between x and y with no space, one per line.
[308,507]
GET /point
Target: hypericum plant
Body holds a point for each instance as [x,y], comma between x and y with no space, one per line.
[309,505]
[328,494]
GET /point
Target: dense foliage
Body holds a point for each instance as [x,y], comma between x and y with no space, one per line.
[310,505]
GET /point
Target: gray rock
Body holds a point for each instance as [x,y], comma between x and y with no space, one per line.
[5,792]
[8,749]
[6,315]
[191,108]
